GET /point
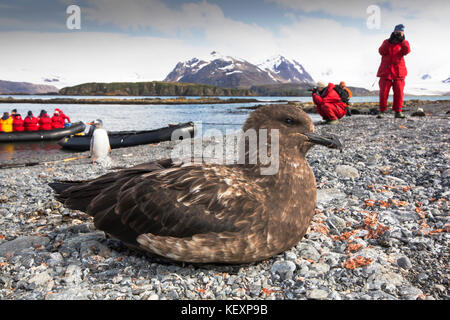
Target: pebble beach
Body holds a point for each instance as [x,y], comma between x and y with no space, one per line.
[380,229]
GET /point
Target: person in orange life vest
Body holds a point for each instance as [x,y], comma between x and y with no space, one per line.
[392,70]
[328,102]
[343,85]
[6,122]
[17,122]
[45,122]
[57,121]
[61,113]
[31,122]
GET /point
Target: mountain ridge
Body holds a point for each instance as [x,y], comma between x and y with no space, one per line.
[226,71]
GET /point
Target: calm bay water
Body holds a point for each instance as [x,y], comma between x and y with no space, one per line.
[223,117]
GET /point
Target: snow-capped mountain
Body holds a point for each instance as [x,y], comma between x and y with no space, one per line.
[286,70]
[226,71]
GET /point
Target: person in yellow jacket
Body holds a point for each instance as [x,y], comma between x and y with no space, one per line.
[6,122]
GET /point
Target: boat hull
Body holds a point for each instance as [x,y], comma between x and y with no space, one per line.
[42,135]
[131,138]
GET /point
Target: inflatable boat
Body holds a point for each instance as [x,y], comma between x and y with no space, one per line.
[41,135]
[132,138]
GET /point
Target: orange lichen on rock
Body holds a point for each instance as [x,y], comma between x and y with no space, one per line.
[320,228]
[369,202]
[267,291]
[357,262]
[399,203]
[353,247]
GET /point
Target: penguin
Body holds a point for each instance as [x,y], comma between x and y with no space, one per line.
[100,147]
[419,113]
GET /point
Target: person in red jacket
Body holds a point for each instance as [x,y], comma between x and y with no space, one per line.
[45,122]
[63,116]
[328,103]
[392,70]
[17,122]
[30,122]
[57,121]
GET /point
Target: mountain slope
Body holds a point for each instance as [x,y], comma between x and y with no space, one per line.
[221,71]
[285,70]
[225,71]
[8,87]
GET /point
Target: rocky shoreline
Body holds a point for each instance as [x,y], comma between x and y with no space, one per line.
[381,228]
[145,101]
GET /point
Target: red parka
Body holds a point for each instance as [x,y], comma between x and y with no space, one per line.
[17,123]
[330,96]
[392,62]
[31,123]
[63,115]
[329,104]
[57,122]
[45,122]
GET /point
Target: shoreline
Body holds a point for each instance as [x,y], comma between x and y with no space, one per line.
[380,231]
[136,101]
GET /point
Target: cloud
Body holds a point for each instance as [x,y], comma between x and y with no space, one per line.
[217,31]
[86,57]
[347,8]
[327,45]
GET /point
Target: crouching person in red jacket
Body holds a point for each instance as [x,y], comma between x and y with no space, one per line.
[328,103]
[45,122]
[31,123]
[57,121]
[17,123]
[392,70]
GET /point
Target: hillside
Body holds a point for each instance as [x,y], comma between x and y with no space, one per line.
[154,88]
[9,87]
[157,88]
[280,90]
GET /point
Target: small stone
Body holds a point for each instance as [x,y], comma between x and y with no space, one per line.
[347,171]
[153,296]
[440,287]
[12,247]
[309,252]
[317,294]
[422,277]
[320,267]
[336,222]
[404,263]
[290,256]
[283,268]
[326,195]
[43,280]
[73,274]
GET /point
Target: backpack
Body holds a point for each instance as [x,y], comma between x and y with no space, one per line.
[342,93]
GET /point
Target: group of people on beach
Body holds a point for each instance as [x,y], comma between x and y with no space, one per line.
[15,123]
[392,71]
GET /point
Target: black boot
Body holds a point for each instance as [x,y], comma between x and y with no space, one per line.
[399,115]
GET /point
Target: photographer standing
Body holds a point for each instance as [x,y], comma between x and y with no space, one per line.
[392,71]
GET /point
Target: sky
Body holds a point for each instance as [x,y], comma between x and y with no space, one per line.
[142,40]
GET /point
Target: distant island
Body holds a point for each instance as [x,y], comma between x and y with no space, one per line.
[13,87]
[160,88]
[153,88]
[163,88]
